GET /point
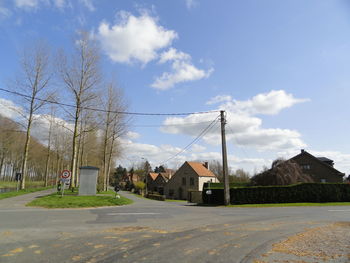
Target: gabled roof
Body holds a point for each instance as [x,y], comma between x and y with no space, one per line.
[153,176]
[324,159]
[303,152]
[163,176]
[200,169]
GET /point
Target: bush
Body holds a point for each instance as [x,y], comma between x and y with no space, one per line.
[156,197]
[300,193]
[282,172]
[140,186]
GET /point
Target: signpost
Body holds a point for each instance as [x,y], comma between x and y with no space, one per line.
[65,179]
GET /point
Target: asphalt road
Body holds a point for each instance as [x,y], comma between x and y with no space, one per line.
[155,231]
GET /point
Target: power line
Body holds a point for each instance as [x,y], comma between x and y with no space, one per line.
[101,110]
[211,125]
[170,125]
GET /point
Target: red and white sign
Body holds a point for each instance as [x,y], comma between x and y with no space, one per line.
[66,174]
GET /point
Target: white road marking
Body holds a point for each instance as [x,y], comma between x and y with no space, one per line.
[339,210]
[117,214]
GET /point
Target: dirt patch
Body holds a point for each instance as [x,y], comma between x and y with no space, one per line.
[330,243]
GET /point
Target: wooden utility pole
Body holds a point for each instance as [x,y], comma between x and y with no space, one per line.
[224,159]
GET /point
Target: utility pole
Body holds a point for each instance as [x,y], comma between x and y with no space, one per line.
[146,178]
[224,159]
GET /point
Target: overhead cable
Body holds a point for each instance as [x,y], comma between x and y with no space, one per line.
[107,111]
[205,131]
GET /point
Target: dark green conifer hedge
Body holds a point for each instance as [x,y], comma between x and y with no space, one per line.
[299,193]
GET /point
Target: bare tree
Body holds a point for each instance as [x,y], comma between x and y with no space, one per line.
[81,76]
[49,139]
[33,81]
[113,127]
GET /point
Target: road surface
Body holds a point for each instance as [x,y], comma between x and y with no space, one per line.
[155,231]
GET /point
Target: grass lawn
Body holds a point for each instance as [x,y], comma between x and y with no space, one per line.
[29,184]
[22,192]
[74,201]
[292,204]
[174,200]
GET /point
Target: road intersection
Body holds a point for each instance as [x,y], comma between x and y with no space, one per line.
[155,231]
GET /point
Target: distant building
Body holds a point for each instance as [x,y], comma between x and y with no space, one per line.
[321,169]
[151,185]
[157,181]
[190,176]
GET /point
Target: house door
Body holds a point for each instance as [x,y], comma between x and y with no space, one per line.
[180,193]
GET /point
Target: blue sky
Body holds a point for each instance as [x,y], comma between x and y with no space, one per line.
[279,69]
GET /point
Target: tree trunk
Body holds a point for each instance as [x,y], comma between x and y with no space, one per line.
[74,147]
[48,154]
[25,153]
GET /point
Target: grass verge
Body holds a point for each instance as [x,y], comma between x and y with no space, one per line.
[292,204]
[73,201]
[175,201]
[13,184]
[22,192]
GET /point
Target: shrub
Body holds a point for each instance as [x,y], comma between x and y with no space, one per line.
[300,193]
[282,172]
[140,186]
[156,197]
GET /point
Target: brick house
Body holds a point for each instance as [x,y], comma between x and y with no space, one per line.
[151,184]
[161,180]
[190,176]
[157,181]
[321,169]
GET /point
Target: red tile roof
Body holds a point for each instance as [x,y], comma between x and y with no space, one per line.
[201,170]
[153,176]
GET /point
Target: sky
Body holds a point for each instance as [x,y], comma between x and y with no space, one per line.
[279,69]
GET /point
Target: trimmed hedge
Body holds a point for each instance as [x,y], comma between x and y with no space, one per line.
[156,197]
[299,193]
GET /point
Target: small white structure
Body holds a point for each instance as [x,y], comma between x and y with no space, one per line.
[88,180]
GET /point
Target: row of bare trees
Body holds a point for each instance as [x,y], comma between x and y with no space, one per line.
[70,108]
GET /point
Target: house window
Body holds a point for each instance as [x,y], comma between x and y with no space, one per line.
[171,192]
[183,180]
[306,166]
[191,181]
[323,180]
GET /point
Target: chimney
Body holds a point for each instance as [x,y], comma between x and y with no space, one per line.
[206,165]
[302,150]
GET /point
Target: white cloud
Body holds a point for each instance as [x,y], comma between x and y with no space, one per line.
[10,110]
[60,3]
[197,148]
[219,99]
[173,54]
[133,135]
[182,71]
[88,4]
[243,127]
[191,3]
[134,38]
[4,12]
[268,103]
[135,153]
[27,4]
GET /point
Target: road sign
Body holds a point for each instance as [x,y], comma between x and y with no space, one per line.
[66,174]
[65,181]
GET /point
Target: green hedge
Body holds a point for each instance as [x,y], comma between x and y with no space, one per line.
[300,193]
[156,197]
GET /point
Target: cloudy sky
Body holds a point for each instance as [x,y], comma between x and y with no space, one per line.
[280,70]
